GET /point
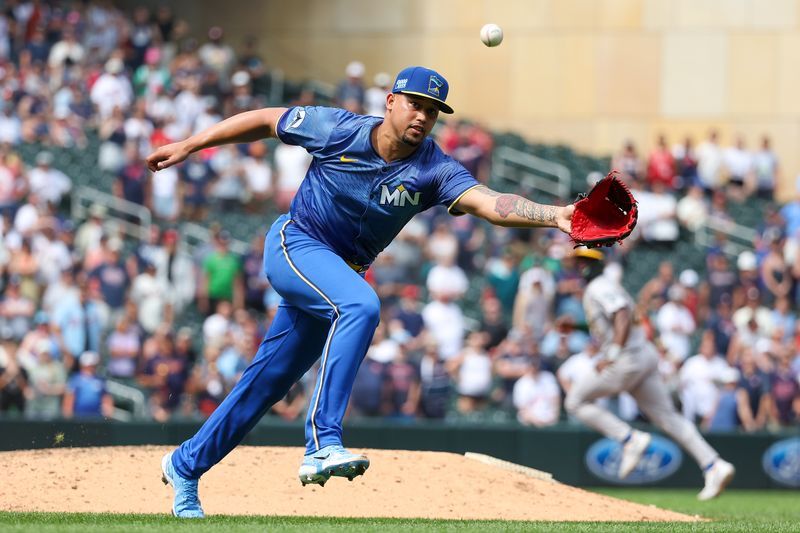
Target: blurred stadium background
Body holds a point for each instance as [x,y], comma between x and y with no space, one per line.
[130,299]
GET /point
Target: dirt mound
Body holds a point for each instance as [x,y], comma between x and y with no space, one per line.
[263,481]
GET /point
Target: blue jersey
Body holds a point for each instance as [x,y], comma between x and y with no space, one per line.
[351,199]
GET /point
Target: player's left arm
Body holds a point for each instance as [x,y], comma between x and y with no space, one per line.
[511,210]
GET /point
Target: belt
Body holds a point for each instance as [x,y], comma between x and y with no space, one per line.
[355,266]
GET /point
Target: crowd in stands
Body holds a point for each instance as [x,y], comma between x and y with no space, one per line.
[84,308]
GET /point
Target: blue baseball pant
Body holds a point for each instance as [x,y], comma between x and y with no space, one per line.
[327,312]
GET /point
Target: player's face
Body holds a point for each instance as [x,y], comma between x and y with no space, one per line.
[412,117]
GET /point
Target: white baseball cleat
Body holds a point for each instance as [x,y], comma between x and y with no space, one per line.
[717,478]
[632,452]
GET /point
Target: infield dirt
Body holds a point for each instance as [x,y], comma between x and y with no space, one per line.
[263,481]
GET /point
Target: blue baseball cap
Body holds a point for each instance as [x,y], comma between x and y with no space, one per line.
[424,82]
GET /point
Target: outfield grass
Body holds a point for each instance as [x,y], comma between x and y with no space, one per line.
[745,511]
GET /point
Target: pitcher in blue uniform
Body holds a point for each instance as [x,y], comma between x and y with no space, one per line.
[368,178]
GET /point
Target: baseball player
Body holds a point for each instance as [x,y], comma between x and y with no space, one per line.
[629,363]
[368,178]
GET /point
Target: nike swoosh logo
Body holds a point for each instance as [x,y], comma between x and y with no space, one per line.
[323,457]
[344,159]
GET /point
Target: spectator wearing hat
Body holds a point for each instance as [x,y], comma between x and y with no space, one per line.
[151,77]
[350,91]
[724,415]
[537,396]
[112,90]
[50,184]
[221,277]
[86,395]
[47,379]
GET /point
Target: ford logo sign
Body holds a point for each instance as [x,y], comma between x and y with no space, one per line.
[660,461]
[781,462]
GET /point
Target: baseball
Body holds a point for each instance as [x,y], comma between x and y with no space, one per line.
[491,34]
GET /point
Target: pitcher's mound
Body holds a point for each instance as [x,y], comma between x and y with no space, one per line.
[263,481]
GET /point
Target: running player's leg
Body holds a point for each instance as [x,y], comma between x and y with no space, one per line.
[314,278]
[654,401]
[292,344]
[580,401]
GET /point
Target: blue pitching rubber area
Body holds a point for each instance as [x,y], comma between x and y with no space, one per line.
[746,511]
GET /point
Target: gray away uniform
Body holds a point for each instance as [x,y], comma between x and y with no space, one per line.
[635,371]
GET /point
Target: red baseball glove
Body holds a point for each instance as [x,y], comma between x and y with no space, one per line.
[604,216]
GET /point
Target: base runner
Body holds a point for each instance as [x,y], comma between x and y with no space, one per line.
[629,363]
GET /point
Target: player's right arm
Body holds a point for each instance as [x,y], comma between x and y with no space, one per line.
[241,128]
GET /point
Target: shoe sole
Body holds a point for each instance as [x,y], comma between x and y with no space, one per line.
[348,469]
[639,459]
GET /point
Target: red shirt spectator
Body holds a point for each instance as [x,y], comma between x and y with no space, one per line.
[661,165]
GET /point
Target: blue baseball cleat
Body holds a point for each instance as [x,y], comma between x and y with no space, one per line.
[318,467]
[186,504]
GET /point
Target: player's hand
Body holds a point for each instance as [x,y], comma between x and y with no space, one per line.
[564,218]
[167,155]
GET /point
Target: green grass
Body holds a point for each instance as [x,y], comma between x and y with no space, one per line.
[746,511]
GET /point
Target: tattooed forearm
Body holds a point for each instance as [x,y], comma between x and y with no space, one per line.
[544,215]
[533,214]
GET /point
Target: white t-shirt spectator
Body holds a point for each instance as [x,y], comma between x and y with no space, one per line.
[257,174]
[692,211]
[675,325]
[698,390]
[475,374]
[709,164]
[537,398]
[738,161]
[26,219]
[150,295]
[657,216]
[110,91]
[10,129]
[291,164]
[446,324]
